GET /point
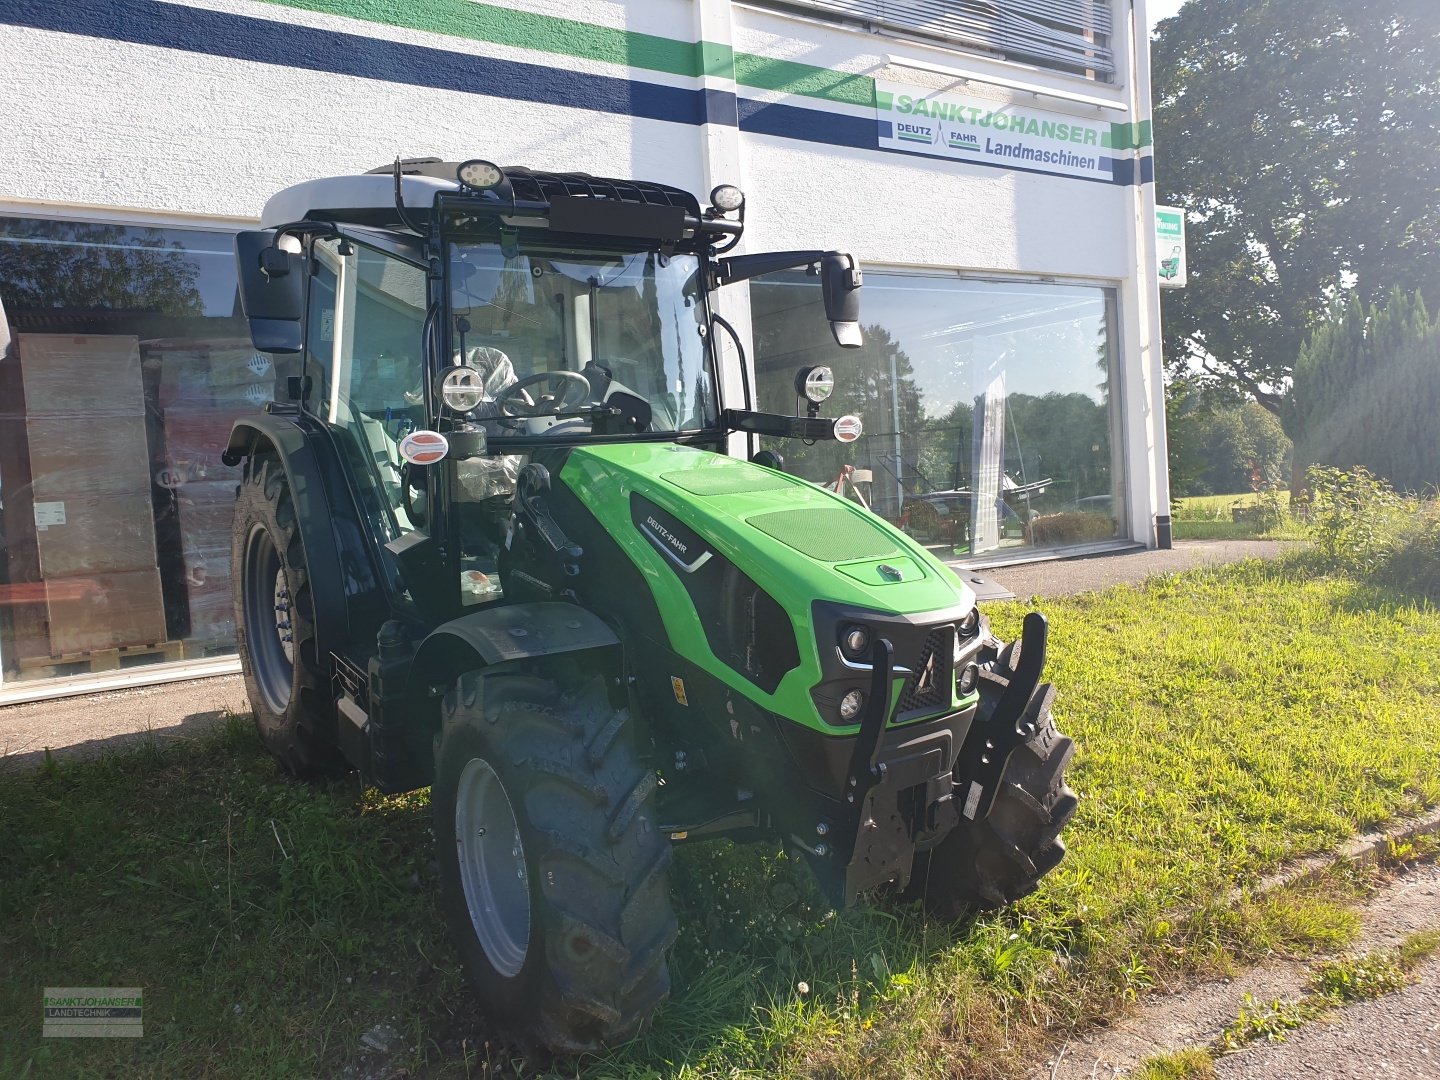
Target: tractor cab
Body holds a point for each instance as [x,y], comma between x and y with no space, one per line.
[454,322]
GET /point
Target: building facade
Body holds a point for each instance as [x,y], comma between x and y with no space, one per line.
[989,164]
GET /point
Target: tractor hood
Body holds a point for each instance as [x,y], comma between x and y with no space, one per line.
[674,509]
[792,537]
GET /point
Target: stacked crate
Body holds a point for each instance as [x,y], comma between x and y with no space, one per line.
[90,492]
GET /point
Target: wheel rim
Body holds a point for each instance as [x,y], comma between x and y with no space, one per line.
[492,867]
[269,625]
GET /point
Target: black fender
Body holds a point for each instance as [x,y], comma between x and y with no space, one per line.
[282,435]
[508,632]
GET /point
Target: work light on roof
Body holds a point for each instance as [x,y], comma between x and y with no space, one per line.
[727,197]
[479,175]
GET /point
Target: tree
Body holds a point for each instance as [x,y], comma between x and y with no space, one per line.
[1223,449]
[1303,139]
[1367,391]
[86,267]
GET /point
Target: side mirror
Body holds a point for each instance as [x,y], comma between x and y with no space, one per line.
[840,281]
[272,291]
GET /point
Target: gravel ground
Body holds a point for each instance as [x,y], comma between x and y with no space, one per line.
[1396,1036]
[87,726]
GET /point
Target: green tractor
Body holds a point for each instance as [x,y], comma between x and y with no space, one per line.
[498,541]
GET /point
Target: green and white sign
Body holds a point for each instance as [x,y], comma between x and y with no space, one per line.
[1170,246]
[974,129]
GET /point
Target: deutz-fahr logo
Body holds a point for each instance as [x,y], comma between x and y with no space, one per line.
[666,535]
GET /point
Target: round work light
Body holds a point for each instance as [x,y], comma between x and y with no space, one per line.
[727,197]
[479,175]
[462,389]
[850,706]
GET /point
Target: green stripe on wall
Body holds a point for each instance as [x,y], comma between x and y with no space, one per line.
[786,76]
[569,37]
[521,29]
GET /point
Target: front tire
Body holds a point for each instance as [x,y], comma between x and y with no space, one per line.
[554,876]
[992,862]
[275,624]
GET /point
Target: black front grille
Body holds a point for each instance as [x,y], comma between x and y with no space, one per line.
[933,678]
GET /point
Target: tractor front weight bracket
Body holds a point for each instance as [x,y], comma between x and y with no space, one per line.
[999,733]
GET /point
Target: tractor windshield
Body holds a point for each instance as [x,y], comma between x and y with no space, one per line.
[557,335]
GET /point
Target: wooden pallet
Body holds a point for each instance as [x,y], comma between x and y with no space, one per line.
[103,659]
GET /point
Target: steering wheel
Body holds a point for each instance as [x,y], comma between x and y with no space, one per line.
[510,404]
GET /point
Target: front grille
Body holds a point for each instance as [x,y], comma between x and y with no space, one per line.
[933,680]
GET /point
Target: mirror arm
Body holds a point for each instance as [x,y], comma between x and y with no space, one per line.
[744,267]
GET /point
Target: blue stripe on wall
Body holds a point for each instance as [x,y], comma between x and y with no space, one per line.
[266,41]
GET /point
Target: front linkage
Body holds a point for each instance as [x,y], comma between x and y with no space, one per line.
[910,792]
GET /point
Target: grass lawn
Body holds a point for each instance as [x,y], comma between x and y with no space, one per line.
[1228,719]
[1208,517]
[1218,507]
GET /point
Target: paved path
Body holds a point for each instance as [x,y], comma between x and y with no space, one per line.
[1396,1036]
[85,726]
[1062,577]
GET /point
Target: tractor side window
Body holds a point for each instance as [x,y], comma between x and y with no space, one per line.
[367,345]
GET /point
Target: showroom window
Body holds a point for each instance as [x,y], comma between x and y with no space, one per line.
[990,421]
[127,365]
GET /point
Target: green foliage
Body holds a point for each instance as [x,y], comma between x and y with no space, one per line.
[1414,565]
[1367,390]
[1357,518]
[1299,135]
[1269,1022]
[1359,978]
[1191,1064]
[1224,448]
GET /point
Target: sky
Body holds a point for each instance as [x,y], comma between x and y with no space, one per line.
[1156,10]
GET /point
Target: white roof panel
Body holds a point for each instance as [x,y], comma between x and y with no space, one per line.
[370,191]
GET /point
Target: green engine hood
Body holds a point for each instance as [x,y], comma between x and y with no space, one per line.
[796,541]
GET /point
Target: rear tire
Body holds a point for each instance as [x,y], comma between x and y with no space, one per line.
[584,964]
[989,863]
[275,625]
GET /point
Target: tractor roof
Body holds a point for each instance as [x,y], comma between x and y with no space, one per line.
[369,198]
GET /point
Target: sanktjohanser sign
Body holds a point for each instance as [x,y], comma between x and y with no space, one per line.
[969,128]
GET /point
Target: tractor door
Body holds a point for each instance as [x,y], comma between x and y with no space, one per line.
[365,365]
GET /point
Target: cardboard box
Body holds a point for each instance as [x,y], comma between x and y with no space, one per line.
[103,534]
[212,614]
[105,611]
[88,457]
[81,376]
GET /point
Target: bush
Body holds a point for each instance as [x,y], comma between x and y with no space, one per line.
[1414,565]
[1071,527]
[1358,519]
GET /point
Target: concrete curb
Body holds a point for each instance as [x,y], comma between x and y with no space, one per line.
[1367,847]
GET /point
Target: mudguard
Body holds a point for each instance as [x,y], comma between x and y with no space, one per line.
[290,443]
[506,632]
